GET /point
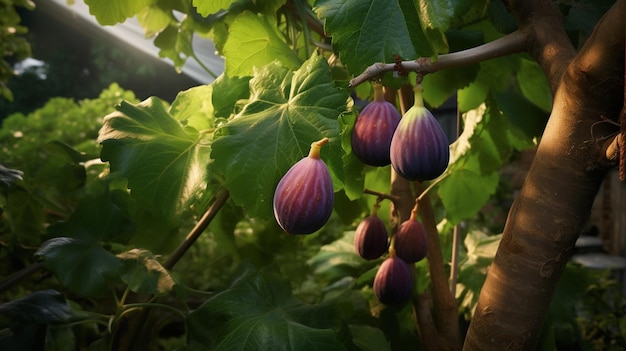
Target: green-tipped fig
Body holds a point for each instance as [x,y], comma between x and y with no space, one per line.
[373,130]
[419,147]
[303,199]
[393,282]
[371,238]
[410,242]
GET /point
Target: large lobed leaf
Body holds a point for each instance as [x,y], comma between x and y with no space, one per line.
[365,32]
[82,265]
[109,12]
[286,112]
[255,41]
[163,161]
[258,312]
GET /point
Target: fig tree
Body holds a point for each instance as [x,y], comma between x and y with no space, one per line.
[419,147]
[373,130]
[303,199]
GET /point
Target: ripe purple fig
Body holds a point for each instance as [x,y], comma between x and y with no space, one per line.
[419,147]
[303,199]
[371,238]
[410,242]
[373,130]
[393,282]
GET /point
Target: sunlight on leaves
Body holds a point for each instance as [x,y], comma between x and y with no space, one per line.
[165,163]
[253,42]
[109,12]
[143,273]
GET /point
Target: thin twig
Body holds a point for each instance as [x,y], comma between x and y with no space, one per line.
[202,224]
[509,44]
[218,202]
[21,274]
[381,195]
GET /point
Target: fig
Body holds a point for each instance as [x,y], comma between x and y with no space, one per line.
[393,282]
[410,242]
[373,130]
[419,147]
[371,238]
[303,199]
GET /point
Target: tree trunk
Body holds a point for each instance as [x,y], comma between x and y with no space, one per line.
[555,200]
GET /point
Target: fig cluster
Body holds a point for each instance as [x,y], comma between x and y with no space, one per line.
[393,283]
[304,197]
[415,145]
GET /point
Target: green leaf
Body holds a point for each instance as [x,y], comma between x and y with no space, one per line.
[109,12]
[337,259]
[165,163]
[480,251]
[230,91]
[258,312]
[440,86]
[534,85]
[287,111]
[464,192]
[354,178]
[175,44]
[436,14]
[254,41]
[103,217]
[268,7]
[193,107]
[206,8]
[472,96]
[368,338]
[44,306]
[143,273]
[153,20]
[369,31]
[81,265]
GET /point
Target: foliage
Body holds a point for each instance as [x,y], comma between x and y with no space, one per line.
[108,231]
[12,47]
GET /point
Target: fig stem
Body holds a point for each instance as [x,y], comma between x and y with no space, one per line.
[379,93]
[418,90]
[392,246]
[314,152]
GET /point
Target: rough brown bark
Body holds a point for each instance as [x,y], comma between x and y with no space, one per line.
[560,188]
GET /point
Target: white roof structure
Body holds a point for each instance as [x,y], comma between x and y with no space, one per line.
[132,33]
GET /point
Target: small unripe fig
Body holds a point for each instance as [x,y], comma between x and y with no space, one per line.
[373,130]
[303,199]
[370,237]
[410,241]
[393,282]
[419,147]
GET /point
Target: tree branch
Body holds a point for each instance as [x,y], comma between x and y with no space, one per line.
[555,201]
[445,305]
[509,44]
[547,41]
[202,224]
